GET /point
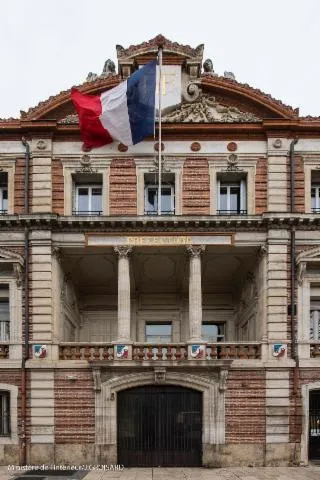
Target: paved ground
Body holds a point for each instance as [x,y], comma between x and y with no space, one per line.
[240,473]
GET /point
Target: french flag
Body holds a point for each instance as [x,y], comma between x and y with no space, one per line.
[125,113]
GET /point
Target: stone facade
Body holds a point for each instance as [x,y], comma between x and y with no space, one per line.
[86,288]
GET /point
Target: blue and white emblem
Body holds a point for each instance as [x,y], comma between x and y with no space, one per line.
[122,351]
[197,351]
[279,350]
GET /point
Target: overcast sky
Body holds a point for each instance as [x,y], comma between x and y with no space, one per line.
[49,45]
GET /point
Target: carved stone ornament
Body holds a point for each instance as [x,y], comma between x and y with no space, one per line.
[205,109]
[86,166]
[96,379]
[195,147]
[232,147]
[41,145]
[123,250]
[229,75]
[208,66]
[192,92]
[91,77]
[195,250]
[223,380]
[156,146]
[18,273]
[232,163]
[109,68]
[277,143]
[122,147]
[159,375]
[301,270]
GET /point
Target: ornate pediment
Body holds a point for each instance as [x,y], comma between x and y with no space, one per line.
[207,110]
[9,256]
[310,255]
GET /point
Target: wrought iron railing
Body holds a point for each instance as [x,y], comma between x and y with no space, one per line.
[3,212]
[232,212]
[155,212]
[86,212]
[315,210]
[164,352]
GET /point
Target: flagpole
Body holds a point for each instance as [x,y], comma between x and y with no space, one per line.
[160,131]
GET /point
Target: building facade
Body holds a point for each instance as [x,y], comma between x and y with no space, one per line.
[187,338]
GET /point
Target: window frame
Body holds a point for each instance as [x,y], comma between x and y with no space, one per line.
[242,207]
[12,392]
[145,165]
[154,323]
[77,186]
[71,168]
[8,167]
[5,424]
[223,337]
[247,167]
[315,186]
[156,187]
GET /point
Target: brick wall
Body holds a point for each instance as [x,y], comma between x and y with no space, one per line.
[195,187]
[123,187]
[261,186]
[245,407]
[74,407]
[57,187]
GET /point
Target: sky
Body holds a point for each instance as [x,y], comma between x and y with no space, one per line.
[49,45]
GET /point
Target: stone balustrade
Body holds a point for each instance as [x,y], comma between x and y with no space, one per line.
[86,351]
[167,352]
[234,351]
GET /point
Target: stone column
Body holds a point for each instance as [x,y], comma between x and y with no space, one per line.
[195,293]
[123,293]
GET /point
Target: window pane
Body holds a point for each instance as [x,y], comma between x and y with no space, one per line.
[4,413]
[83,199]
[223,198]
[235,198]
[166,199]
[212,332]
[159,333]
[4,320]
[151,200]
[3,199]
[96,200]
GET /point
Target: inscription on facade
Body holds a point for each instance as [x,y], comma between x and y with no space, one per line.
[94,240]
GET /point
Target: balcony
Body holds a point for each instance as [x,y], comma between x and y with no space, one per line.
[176,352]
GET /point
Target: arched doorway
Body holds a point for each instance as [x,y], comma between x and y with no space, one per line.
[159,426]
[314,425]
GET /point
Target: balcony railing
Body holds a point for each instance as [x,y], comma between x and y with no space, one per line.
[3,212]
[232,212]
[167,352]
[85,351]
[155,212]
[87,212]
[315,210]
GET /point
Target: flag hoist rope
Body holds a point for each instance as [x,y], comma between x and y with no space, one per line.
[160,132]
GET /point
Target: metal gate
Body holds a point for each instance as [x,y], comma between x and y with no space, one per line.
[159,426]
[314,425]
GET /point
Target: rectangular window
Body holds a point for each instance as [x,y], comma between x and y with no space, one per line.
[232,195]
[88,200]
[315,198]
[212,332]
[4,313]
[315,325]
[158,333]
[3,193]
[151,194]
[4,414]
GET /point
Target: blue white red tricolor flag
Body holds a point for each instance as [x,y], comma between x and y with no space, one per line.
[125,113]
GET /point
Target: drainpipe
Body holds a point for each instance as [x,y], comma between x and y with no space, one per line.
[25,356]
[293,280]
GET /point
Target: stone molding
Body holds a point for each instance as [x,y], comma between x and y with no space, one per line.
[212,387]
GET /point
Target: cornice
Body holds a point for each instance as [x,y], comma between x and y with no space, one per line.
[184,223]
[251,93]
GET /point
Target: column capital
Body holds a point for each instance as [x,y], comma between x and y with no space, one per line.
[195,250]
[122,250]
